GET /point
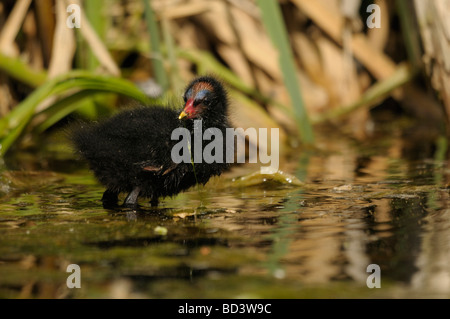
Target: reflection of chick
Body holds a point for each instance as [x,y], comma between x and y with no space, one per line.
[131,151]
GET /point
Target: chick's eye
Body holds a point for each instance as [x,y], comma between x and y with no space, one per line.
[197,102]
[202,97]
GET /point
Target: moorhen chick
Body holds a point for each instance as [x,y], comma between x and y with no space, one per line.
[131,151]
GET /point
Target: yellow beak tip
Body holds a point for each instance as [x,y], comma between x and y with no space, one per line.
[182,115]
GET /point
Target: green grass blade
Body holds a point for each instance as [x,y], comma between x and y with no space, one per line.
[62,108]
[174,74]
[98,21]
[380,90]
[17,69]
[14,123]
[273,21]
[156,55]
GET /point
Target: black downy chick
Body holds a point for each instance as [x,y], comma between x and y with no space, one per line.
[131,151]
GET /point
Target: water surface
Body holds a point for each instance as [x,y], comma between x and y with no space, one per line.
[383,201]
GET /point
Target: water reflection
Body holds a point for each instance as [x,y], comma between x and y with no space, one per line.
[382,203]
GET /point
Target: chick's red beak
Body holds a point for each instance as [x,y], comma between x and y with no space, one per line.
[189,110]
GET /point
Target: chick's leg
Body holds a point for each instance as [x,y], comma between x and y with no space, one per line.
[132,197]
